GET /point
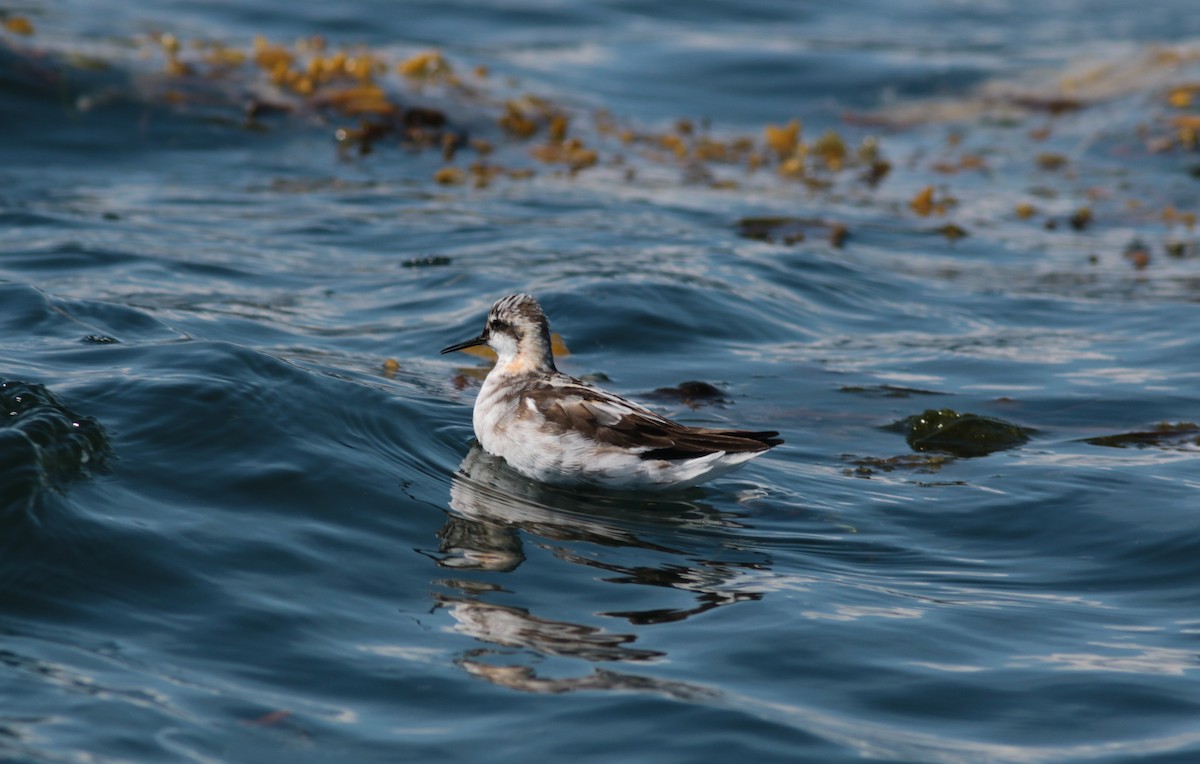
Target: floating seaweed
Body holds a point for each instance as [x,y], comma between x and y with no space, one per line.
[790,230]
[1050,162]
[692,393]
[886,391]
[371,100]
[18,25]
[1181,249]
[1137,253]
[1081,218]
[953,232]
[427,262]
[450,176]
[865,466]
[926,202]
[838,233]
[364,94]
[43,443]
[949,432]
[1171,435]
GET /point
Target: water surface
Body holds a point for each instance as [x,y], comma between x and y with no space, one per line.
[233,531]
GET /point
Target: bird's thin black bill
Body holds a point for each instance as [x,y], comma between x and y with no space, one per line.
[465,345]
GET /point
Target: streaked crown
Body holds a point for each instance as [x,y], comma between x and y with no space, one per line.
[517,326]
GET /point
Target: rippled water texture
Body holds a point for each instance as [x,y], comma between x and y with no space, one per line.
[241,516]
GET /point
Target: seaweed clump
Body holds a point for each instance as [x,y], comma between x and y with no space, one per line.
[693,393]
[948,432]
[43,443]
[1163,435]
[790,230]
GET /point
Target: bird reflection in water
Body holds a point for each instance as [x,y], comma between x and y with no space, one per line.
[494,512]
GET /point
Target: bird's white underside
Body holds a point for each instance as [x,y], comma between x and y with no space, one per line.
[570,458]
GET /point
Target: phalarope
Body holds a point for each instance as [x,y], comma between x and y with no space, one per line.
[556,429]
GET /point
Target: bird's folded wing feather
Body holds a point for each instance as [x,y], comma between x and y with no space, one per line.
[615,421]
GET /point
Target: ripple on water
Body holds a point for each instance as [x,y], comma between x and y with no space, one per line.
[281,548]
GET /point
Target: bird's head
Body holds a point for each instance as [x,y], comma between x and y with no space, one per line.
[518,330]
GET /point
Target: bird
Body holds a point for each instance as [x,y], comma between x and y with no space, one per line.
[555,429]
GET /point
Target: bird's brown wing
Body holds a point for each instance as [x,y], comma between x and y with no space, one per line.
[609,419]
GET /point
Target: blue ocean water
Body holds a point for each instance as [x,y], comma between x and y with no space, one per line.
[241,516]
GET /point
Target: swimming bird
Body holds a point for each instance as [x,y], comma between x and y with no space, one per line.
[555,429]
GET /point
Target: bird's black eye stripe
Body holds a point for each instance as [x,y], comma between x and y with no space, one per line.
[497,325]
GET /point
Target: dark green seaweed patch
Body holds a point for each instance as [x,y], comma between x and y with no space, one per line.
[693,393]
[948,432]
[919,463]
[1164,435]
[791,230]
[886,391]
[42,437]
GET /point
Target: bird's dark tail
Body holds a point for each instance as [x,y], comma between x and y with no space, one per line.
[699,441]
